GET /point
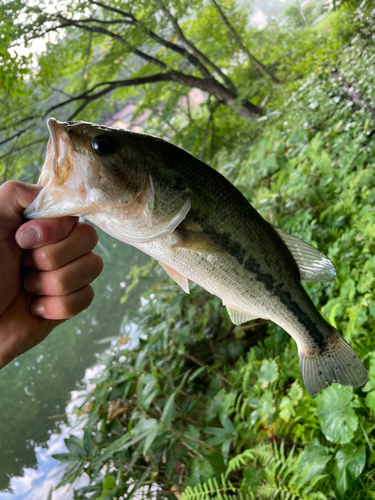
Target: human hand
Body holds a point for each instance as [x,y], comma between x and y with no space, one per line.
[46,266]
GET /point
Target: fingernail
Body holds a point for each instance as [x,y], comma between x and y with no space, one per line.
[31,284]
[29,238]
[37,309]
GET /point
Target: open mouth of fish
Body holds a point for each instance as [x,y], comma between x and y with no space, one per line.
[66,189]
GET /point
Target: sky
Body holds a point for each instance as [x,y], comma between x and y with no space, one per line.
[35,484]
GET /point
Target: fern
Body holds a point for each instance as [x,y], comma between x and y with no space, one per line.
[284,481]
[212,490]
[281,479]
[239,460]
[246,373]
[283,493]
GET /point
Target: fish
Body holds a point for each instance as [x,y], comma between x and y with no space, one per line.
[155,196]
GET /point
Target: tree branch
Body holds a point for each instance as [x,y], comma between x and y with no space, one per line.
[101,21]
[194,49]
[113,9]
[97,29]
[245,108]
[103,31]
[40,35]
[28,118]
[207,128]
[238,41]
[172,46]
[131,19]
[158,77]
[22,147]
[15,135]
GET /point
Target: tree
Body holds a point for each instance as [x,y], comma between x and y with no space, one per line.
[98,53]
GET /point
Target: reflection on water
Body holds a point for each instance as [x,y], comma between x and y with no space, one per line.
[35,388]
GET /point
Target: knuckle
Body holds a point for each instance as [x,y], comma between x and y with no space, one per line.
[97,263]
[79,301]
[92,266]
[61,284]
[88,296]
[47,259]
[10,188]
[88,234]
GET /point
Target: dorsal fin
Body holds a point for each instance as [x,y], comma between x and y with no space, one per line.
[313,265]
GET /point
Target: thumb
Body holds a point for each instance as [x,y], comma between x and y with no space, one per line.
[15,196]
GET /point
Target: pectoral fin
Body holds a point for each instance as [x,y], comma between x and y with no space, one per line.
[201,242]
[313,265]
[177,277]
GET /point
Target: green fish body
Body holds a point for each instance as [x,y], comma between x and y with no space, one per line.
[153,195]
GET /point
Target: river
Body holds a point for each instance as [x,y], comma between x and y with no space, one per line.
[35,388]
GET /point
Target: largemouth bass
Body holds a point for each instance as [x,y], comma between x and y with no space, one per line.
[153,195]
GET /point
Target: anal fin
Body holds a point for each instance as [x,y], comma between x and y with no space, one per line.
[335,362]
[237,316]
[177,277]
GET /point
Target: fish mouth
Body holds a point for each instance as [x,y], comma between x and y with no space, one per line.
[64,187]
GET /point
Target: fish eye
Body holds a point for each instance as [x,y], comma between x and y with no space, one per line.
[103,145]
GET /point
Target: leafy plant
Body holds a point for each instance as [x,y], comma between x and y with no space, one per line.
[194,407]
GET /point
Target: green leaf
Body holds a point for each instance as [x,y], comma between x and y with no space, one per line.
[171,461]
[336,414]
[269,372]
[350,462]
[109,483]
[227,424]
[313,461]
[150,438]
[87,442]
[221,435]
[266,407]
[225,447]
[166,417]
[74,445]
[196,373]
[370,400]
[50,494]
[65,457]
[288,402]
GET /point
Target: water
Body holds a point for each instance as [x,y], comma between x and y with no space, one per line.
[35,388]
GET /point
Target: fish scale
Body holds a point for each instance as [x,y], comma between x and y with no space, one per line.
[153,195]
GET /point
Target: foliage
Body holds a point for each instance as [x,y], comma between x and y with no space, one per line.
[189,406]
[85,59]
[96,55]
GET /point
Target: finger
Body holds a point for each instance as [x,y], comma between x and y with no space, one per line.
[39,232]
[67,279]
[67,306]
[15,196]
[79,242]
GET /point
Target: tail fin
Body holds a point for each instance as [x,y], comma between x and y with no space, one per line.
[335,362]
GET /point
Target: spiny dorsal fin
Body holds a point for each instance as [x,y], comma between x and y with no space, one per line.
[177,277]
[237,316]
[313,265]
